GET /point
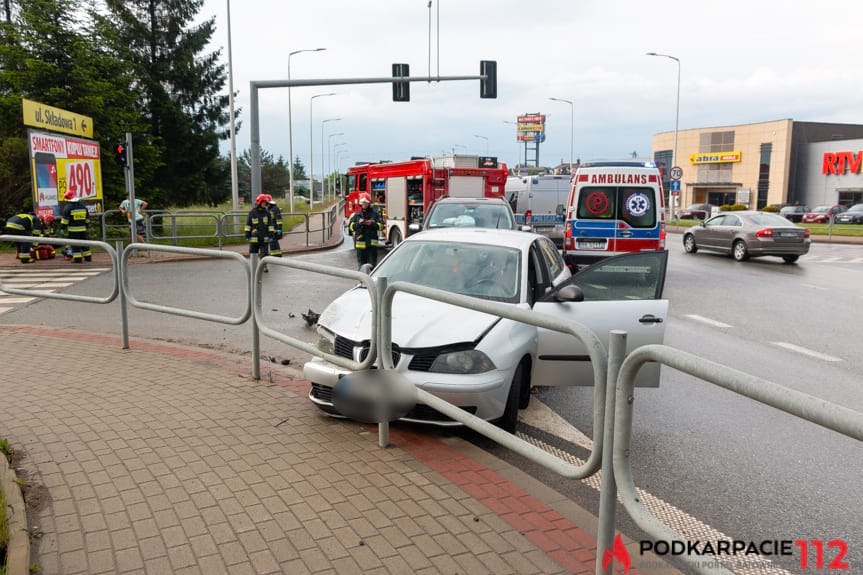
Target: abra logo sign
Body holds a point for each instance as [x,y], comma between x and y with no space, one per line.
[619,553]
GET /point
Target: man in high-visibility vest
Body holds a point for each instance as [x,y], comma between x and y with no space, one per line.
[27,225]
[365,225]
[73,223]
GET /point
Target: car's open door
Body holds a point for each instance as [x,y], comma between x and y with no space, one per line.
[620,293]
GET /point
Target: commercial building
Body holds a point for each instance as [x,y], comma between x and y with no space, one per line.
[777,162]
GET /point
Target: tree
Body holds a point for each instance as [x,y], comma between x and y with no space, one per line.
[178,95]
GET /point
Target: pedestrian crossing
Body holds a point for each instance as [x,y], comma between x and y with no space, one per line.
[30,277]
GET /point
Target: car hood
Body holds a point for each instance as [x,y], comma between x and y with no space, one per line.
[416,322]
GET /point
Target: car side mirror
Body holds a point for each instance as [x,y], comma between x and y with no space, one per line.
[569,293]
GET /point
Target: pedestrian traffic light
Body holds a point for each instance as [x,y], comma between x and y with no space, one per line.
[401,90]
[121,154]
[488,85]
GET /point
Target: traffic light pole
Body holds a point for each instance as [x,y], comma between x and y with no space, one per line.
[254,86]
[129,171]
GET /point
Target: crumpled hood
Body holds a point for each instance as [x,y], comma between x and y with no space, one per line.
[417,322]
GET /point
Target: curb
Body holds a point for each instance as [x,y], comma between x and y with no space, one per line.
[18,551]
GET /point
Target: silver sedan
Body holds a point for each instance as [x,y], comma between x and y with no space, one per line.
[483,363]
[748,234]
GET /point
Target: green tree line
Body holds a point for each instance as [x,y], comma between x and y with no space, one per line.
[137,66]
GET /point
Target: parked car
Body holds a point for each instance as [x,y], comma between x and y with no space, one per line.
[481,212]
[480,362]
[854,215]
[793,213]
[695,212]
[822,214]
[749,234]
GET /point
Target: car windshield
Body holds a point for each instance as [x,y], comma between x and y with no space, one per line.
[793,209]
[766,219]
[480,270]
[470,216]
[821,209]
[856,208]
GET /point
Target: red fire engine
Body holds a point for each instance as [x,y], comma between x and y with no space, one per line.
[403,191]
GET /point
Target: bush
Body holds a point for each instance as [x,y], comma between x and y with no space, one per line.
[732,207]
[773,208]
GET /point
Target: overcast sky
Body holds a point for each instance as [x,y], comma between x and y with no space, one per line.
[741,62]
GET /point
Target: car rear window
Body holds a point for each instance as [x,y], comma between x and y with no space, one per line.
[633,205]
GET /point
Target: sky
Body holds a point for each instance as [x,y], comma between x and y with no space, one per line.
[740,62]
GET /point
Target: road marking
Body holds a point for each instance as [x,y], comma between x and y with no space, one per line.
[40,280]
[708,321]
[805,351]
[4,299]
[690,527]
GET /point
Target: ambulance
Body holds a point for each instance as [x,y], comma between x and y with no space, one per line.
[614,207]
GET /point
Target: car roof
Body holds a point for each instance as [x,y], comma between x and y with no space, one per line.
[479,200]
[499,237]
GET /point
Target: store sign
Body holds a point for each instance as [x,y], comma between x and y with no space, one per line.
[838,163]
[715,158]
[47,117]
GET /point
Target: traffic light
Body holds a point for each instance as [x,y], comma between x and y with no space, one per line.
[401,90]
[488,86]
[121,154]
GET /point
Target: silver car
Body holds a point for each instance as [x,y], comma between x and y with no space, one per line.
[748,234]
[483,363]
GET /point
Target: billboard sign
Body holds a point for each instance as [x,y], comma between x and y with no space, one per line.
[60,163]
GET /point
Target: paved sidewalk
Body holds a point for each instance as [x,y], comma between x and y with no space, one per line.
[170,459]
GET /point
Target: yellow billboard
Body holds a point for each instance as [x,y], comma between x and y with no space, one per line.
[63,163]
[715,157]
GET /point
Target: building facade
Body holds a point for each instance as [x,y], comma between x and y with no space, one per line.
[777,162]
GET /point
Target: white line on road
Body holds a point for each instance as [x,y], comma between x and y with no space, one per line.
[708,321]
[805,351]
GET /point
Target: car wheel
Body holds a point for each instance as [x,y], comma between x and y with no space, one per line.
[689,244]
[509,419]
[741,254]
[790,259]
[395,238]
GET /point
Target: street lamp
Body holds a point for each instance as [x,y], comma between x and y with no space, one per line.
[312,147]
[332,148]
[571,127]
[235,195]
[486,142]
[676,119]
[290,126]
[323,157]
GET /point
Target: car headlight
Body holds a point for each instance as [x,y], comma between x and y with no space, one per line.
[326,340]
[466,361]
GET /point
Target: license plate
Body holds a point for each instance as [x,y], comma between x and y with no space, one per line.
[788,234]
[590,244]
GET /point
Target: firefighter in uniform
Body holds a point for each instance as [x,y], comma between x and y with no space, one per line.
[26,225]
[259,228]
[276,216]
[73,224]
[365,225]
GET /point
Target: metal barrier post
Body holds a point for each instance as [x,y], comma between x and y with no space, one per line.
[608,485]
[124,312]
[256,305]
[385,353]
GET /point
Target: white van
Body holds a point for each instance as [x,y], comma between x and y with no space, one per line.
[614,208]
[541,204]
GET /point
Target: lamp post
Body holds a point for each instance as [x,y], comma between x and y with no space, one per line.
[332,148]
[676,120]
[312,147]
[235,194]
[323,157]
[486,142]
[571,127]
[290,127]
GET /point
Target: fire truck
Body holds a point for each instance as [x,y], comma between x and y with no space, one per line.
[403,191]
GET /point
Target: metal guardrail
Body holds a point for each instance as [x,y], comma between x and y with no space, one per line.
[115,289]
[816,410]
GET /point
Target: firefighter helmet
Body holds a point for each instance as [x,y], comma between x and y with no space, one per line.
[47,219]
[69,195]
[365,198]
[261,199]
